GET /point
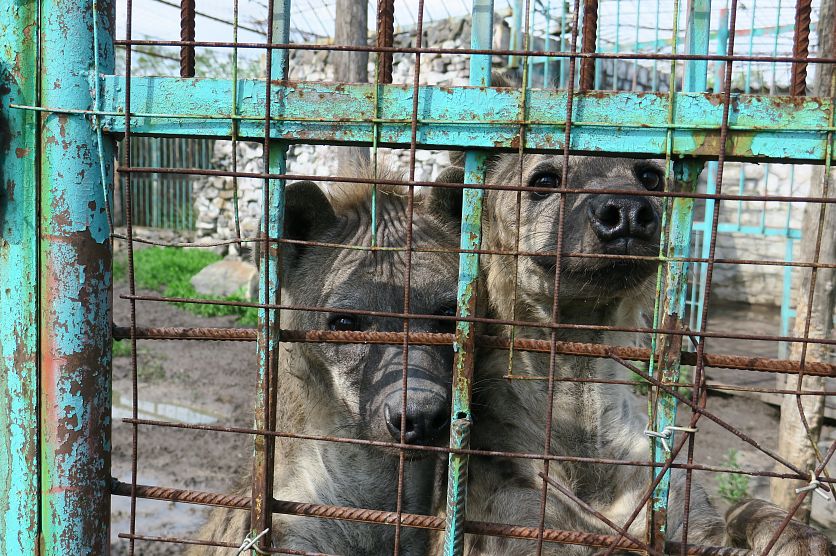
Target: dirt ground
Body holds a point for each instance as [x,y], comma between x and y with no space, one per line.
[214,382]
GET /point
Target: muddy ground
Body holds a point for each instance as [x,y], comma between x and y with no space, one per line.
[214,382]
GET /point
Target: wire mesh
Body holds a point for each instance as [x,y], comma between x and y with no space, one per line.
[499,345]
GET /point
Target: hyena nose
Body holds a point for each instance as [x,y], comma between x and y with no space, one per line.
[613,217]
[425,421]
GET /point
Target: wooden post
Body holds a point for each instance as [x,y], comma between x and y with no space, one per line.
[794,442]
[351,67]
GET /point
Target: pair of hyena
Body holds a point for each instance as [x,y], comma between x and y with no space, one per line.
[354,390]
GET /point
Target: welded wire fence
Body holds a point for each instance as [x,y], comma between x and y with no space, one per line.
[164,200]
[480,288]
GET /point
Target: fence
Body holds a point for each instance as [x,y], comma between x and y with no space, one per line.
[163,200]
[57,318]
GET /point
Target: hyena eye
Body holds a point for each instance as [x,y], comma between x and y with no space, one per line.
[344,323]
[550,181]
[446,325]
[650,178]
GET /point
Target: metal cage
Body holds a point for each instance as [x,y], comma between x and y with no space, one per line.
[66,109]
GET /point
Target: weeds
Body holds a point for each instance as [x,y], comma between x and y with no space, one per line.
[170,269]
[731,486]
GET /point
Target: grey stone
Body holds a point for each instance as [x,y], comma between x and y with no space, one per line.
[224,278]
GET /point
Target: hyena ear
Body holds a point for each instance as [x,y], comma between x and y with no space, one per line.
[306,208]
[447,201]
[499,79]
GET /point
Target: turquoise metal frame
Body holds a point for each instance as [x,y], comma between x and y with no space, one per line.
[65,110]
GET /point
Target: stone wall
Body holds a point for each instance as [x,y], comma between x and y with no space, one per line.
[744,283]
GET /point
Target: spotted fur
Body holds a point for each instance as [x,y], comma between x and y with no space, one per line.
[589,420]
[340,389]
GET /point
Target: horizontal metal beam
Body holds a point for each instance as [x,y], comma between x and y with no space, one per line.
[789,129]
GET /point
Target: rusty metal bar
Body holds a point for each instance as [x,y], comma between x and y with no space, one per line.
[19,458]
[75,282]
[761,364]
[187,34]
[385,38]
[475,169]
[588,44]
[266,401]
[672,285]
[471,452]
[801,47]
[406,520]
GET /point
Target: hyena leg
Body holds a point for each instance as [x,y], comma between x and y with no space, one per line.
[751,524]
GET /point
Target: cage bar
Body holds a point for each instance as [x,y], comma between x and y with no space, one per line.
[19,457]
[75,282]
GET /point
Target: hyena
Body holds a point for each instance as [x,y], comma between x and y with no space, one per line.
[589,420]
[354,390]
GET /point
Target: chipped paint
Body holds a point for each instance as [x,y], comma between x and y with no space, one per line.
[761,128]
[19,489]
[475,169]
[75,287]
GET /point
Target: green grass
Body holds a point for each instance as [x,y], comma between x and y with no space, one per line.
[733,487]
[169,271]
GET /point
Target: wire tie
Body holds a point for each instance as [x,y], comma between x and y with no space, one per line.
[816,486]
[665,434]
[249,544]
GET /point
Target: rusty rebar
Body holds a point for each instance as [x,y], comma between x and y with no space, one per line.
[187,35]
[385,39]
[801,47]
[761,364]
[588,44]
[404,519]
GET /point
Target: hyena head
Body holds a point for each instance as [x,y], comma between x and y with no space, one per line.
[620,221]
[364,381]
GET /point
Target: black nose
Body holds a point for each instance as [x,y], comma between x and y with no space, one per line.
[425,421]
[614,217]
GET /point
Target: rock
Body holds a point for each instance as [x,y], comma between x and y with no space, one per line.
[224,278]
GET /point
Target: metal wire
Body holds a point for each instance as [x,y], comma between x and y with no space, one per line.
[261,503]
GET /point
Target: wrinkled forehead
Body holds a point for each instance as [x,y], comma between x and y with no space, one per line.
[582,168]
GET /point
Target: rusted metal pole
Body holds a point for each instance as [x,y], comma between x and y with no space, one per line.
[187,34]
[590,35]
[801,47]
[385,38]
[19,516]
[75,281]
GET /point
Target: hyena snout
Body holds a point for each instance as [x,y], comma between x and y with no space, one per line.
[616,220]
[425,420]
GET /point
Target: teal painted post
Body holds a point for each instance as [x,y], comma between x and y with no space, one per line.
[269,290]
[671,297]
[475,168]
[19,460]
[75,282]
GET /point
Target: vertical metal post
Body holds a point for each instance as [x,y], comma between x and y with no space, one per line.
[670,315]
[270,287]
[711,182]
[516,33]
[19,460]
[75,281]
[588,42]
[475,168]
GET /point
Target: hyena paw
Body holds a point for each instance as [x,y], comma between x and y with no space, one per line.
[753,523]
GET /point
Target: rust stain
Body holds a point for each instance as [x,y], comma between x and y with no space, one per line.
[21,152]
[57,84]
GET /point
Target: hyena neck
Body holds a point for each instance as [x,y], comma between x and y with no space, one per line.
[589,419]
